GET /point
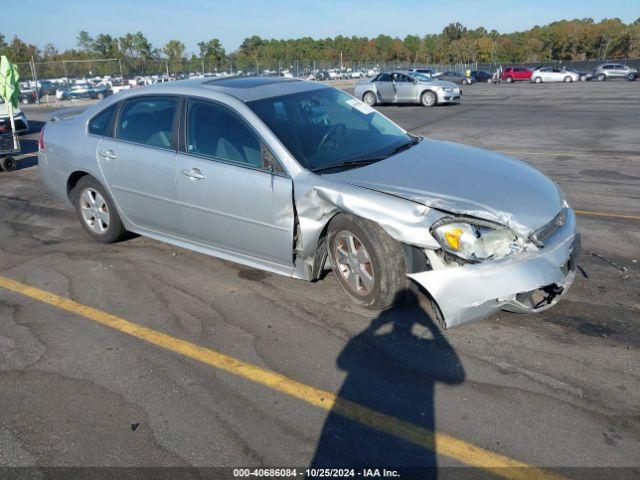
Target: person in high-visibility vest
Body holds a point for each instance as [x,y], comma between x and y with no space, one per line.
[467,73]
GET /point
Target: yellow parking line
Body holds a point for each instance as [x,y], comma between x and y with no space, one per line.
[440,443]
[608,214]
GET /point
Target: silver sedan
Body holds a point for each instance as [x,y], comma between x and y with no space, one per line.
[297,178]
[550,74]
[407,87]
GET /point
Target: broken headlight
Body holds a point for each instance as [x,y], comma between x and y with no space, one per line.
[475,242]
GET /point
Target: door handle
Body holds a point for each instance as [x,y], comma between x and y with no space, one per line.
[109,154]
[192,173]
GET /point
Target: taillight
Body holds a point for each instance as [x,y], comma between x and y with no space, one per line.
[41,140]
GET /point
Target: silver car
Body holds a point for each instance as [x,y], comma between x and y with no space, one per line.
[550,74]
[610,71]
[407,87]
[296,178]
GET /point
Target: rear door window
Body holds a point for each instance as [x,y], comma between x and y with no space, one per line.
[148,121]
[101,123]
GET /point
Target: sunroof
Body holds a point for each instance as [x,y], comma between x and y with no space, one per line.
[244,82]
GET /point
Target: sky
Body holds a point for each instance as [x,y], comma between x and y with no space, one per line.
[191,21]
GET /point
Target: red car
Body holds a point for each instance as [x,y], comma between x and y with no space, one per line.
[512,74]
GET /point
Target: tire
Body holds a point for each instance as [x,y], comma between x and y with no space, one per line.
[8,164]
[382,280]
[24,101]
[568,79]
[601,77]
[538,80]
[100,96]
[465,81]
[631,77]
[370,98]
[429,98]
[104,228]
[509,79]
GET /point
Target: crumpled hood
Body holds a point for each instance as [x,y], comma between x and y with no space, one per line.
[464,180]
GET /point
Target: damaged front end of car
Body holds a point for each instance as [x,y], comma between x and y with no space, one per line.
[479,260]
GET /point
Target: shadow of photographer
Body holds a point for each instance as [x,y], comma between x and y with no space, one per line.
[392,367]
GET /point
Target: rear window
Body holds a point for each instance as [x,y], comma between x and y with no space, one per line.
[101,123]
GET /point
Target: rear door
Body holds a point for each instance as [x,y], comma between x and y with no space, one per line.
[384,86]
[139,163]
[232,193]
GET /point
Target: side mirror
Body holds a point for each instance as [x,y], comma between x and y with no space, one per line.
[269,161]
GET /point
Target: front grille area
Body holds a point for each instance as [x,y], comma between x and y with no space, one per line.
[544,233]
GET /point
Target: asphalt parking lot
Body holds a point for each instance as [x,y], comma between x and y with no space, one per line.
[558,390]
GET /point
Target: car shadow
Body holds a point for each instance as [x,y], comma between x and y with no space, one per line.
[392,367]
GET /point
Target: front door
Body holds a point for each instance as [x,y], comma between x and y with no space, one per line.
[405,88]
[139,163]
[228,198]
[384,87]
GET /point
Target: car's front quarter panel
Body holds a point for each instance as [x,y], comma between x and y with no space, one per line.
[319,199]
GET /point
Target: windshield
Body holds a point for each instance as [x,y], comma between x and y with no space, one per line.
[423,77]
[327,128]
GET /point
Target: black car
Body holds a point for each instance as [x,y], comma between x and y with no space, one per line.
[481,75]
[456,77]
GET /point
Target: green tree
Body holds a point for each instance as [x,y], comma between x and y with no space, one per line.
[211,51]
[174,50]
[84,41]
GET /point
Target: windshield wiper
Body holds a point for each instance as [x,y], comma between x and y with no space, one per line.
[372,159]
[346,164]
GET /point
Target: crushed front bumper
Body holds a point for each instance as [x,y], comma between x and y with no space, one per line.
[530,283]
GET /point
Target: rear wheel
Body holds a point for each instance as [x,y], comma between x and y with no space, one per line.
[429,98]
[100,96]
[369,98]
[8,164]
[538,80]
[96,211]
[370,266]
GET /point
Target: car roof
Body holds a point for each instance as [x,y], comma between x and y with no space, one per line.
[246,89]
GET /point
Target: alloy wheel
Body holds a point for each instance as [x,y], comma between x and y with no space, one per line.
[95,211]
[354,263]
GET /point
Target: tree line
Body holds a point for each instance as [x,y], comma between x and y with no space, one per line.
[579,39]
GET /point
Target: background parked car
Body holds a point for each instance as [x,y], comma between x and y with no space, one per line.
[481,75]
[19,119]
[550,74]
[610,71]
[513,74]
[456,77]
[407,87]
[28,96]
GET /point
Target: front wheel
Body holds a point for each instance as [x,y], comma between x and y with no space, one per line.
[370,266]
[100,96]
[568,79]
[429,99]
[602,77]
[632,76]
[96,211]
[370,98]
